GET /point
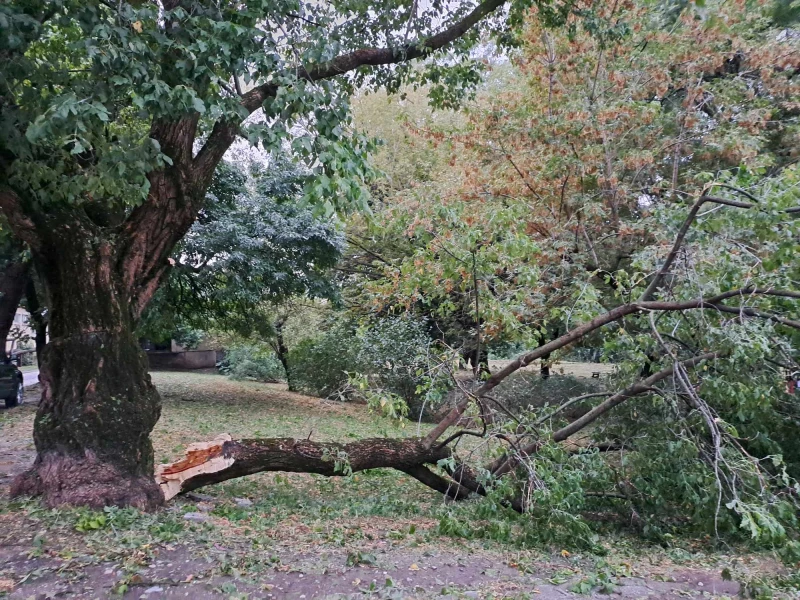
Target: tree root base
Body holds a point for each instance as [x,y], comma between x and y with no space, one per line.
[85,481]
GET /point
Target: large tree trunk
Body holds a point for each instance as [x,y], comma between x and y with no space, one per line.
[100,267]
[13,279]
[98,404]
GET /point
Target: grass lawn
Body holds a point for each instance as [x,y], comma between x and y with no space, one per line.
[377,534]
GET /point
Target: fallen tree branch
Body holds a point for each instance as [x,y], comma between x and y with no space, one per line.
[505,463]
[752,312]
[690,218]
[581,331]
[223,459]
[449,488]
[640,387]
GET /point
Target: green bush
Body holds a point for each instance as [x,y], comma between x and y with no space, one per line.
[252,361]
[389,354]
[319,365]
[393,353]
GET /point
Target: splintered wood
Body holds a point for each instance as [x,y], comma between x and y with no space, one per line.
[202,457]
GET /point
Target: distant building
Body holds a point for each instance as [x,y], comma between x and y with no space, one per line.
[22,334]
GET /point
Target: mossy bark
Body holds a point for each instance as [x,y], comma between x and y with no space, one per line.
[98,404]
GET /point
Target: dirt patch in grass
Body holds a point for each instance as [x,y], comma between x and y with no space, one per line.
[376,534]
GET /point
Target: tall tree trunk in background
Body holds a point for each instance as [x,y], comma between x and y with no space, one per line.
[13,280]
[479,361]
[37,319]
[282,351]
[98,404]
[544,368]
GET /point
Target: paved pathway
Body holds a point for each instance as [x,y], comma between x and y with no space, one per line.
[30,378]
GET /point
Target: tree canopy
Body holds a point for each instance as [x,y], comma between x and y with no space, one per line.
[252,248]
[568,175]
[616,177]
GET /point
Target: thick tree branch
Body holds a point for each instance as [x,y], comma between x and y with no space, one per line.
[176,138]
[752,312]
[679,239]
[445,486]
[225,131]
[151,231]
[505,464]
[468,479]
[381,56]
[639,387]
[225,459]
[582,330]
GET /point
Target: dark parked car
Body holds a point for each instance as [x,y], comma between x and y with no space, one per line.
[11,385]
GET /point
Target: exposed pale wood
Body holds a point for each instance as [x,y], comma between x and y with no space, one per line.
[200,458]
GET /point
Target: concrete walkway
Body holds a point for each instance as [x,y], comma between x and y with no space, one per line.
[30,378]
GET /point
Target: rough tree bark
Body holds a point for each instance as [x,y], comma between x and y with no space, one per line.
[282,352]
[98,404]
[223,459]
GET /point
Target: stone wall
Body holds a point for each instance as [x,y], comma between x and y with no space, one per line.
[188,359]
